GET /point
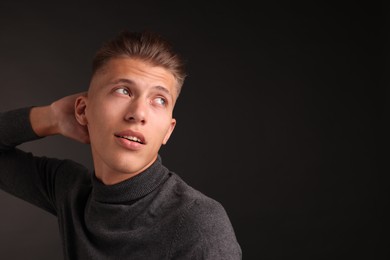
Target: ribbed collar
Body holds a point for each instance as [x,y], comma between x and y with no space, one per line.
[131,189]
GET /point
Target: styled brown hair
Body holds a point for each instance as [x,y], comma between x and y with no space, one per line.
[146,45]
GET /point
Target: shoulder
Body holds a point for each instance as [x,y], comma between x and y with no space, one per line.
[71,177]
[204,226]
[195,202]
[71,171]
[205,215]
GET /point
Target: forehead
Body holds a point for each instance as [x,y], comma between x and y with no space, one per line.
[138,71]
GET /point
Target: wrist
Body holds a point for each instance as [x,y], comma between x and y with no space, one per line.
[42,121]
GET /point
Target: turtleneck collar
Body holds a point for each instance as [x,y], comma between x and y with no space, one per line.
[131,189]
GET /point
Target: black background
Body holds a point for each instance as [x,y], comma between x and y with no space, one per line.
[282,118]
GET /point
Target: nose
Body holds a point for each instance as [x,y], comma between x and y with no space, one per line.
[136,111]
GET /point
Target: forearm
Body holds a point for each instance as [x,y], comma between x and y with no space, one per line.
[15,128]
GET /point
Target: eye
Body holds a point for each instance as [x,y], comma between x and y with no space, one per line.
[161,101]
[122,91]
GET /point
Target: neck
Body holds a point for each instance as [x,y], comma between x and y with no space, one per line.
[113,174]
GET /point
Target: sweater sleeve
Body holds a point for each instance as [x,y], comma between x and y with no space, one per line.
[23,175]
[205,232]
[15,128]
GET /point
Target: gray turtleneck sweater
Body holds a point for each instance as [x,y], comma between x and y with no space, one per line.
[154,215]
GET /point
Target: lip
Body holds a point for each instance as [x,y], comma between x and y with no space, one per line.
[130,145]
[131,133]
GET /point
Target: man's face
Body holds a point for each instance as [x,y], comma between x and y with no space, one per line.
[128,113]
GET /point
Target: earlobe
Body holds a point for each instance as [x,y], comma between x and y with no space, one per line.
[169,132]
[80,107]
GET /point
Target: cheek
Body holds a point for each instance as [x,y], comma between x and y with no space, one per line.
[98,118]
[165,130]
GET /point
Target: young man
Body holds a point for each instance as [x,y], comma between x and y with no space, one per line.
[130,206]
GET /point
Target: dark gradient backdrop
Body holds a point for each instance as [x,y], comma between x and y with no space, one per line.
[282,118]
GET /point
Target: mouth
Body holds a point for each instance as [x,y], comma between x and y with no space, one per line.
[130,138]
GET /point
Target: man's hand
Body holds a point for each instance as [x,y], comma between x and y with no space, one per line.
[59,118]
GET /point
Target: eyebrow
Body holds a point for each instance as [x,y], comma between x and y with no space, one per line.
[130,82]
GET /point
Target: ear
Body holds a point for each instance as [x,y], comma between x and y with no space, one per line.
[80,107]
[170,130]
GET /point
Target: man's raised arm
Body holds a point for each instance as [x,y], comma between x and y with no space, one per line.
[33,178]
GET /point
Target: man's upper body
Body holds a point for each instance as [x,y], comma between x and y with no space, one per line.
[130,206]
